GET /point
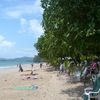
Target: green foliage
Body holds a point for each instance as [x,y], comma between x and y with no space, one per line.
[37,59]
[71,29]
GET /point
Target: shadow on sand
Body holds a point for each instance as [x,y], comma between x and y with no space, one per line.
[74,92]
[50,69]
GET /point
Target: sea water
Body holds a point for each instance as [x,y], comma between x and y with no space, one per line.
[12,63]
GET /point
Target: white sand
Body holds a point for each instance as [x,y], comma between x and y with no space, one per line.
[50,86]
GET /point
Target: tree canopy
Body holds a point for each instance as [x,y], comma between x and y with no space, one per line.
[71,28]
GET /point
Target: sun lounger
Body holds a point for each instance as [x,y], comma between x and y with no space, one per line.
[29,78]
[33,87]
[93,92]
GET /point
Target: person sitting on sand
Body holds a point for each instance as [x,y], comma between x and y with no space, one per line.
[20,68]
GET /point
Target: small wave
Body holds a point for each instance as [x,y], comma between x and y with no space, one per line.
[7,67]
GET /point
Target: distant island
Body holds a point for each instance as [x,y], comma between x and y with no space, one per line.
[17,59]
[23,59]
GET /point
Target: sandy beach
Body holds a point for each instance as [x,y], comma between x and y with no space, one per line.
[16,85]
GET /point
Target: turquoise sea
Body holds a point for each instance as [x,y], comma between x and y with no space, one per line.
[5,63]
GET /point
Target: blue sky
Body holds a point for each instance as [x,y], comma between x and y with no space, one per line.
[20,27]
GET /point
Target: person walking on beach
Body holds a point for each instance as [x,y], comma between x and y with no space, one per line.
[20,68]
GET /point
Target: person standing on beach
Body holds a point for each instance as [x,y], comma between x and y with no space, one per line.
[32,66]
[40,65]
[61,67]
[31,69]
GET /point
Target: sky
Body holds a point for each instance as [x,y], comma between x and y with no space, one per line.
[20,27]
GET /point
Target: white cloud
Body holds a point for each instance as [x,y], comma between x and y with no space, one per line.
[1,38]
[31,26]
[23,25]
[35,27]
[19,11]
[5,43]
[14,14]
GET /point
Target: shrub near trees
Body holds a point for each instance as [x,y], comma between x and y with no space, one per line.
[71,29]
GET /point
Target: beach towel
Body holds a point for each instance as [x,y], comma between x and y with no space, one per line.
[33,87]
[29,74]
[29,78]
[96,88]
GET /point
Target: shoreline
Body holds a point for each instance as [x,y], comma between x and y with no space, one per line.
[15,65]
[8,67]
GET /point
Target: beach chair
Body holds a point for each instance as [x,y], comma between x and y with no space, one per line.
[94,92]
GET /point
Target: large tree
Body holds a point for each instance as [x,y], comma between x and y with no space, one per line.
[71,29]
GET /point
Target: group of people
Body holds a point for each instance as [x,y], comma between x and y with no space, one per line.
[21,69]
[90,69]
